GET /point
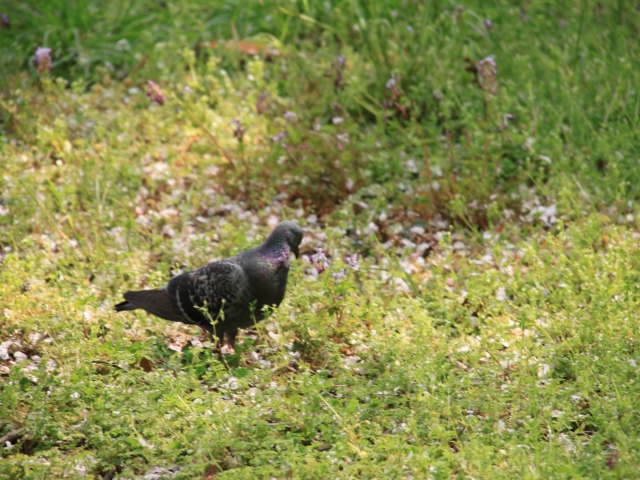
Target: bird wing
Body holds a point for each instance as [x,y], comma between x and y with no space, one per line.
[218,284]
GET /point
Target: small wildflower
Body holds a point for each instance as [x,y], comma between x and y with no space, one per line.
[505,122]
[319,260]
[342,139]
[279,137]
[290,116]
[187,89]
[338,275]
[487,73]
[320,256]
[350,184]
[43,59]
[261,105]
[154,93]
[353,262]
[488,24]
[392,84]
[4,21]
[394,103]
[238,130]
[319,268]
[338,66]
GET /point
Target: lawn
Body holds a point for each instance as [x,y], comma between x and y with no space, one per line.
[480,158]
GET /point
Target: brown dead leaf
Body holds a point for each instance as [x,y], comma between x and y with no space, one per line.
[247,47]
[145,364]
[209,472]
[347,351]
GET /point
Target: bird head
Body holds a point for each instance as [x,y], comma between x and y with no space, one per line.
[291,233]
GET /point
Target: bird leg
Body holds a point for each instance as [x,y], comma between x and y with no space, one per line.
[228,343]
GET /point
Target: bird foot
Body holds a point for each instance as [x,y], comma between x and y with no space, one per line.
[227,349]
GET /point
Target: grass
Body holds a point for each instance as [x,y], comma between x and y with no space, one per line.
[492,328]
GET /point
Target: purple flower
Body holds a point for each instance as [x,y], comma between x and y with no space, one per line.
[392,84]
[505,120]
[290,116]
[4,21]
[488,24]
[338,275]
[279,137]
[319,260]
[343,137]
[154,93]
[238,130]
[487,66]
[338,65]
[353,262]
[487,73]
[320,257]
[43,59]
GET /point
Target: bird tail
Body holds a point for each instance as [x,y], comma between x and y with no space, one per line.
[124,306]
[157,302]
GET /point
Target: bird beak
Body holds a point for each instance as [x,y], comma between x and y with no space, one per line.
[296,251]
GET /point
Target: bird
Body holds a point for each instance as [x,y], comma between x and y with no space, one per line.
[233,291]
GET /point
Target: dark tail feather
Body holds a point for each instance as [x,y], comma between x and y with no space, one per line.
[124,306]
[156,302]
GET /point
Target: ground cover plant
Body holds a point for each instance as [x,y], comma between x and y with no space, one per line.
[466,305]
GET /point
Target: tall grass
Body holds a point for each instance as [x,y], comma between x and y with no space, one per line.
[558,111]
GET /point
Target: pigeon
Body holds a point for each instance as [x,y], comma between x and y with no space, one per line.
[233,291]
